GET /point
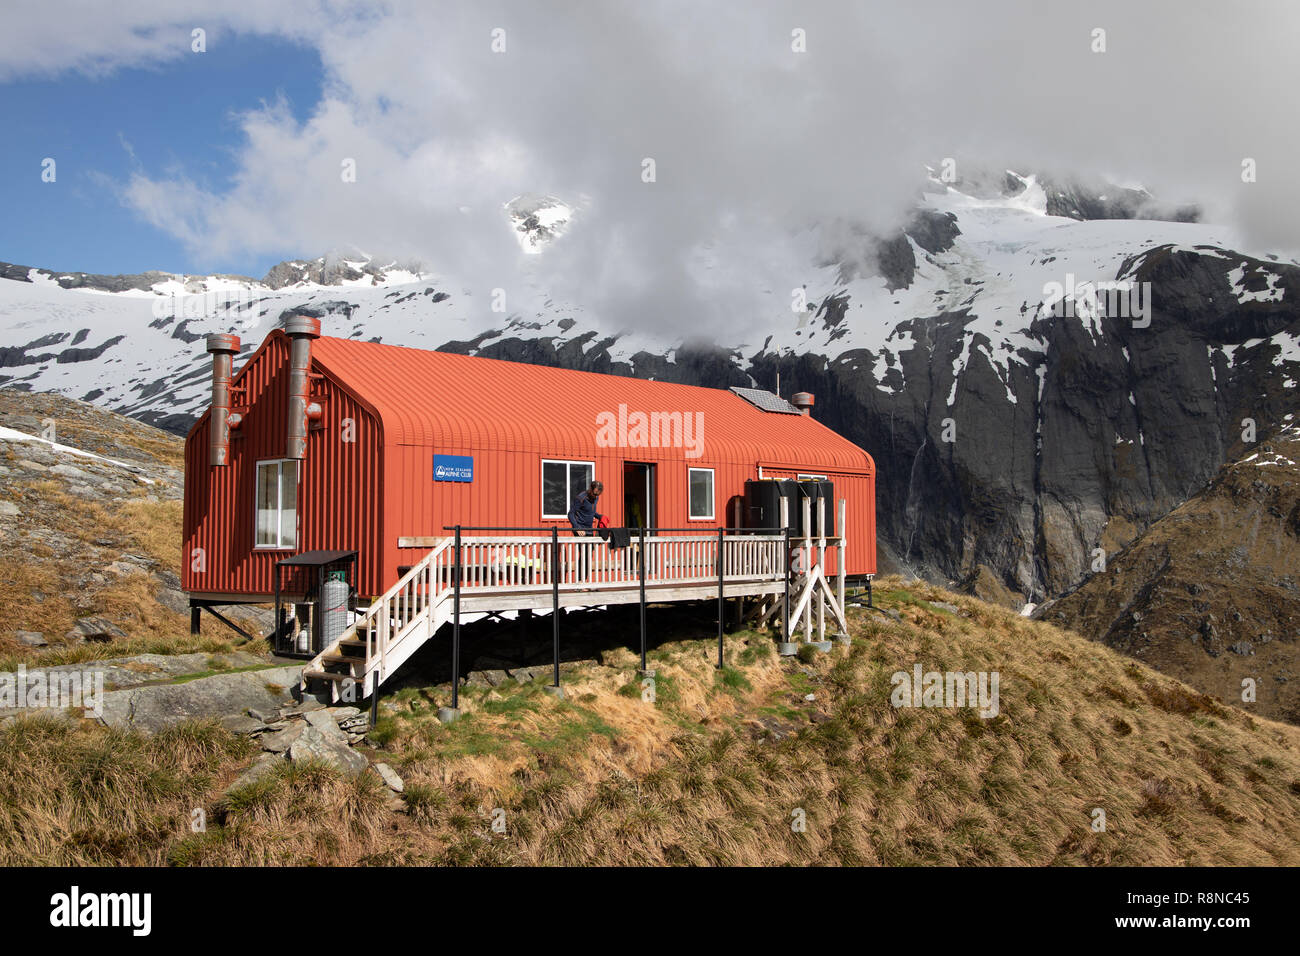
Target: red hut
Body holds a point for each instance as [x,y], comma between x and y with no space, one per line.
[323,444]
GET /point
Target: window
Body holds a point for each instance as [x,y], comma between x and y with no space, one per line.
[812,477]
[701,482]
[277,504]
[562,481]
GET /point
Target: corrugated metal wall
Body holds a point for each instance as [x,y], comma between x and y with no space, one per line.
[338,498]
[860,490]
[507,490]
[364,495]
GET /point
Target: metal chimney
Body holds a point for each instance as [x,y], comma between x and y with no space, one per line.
[301,329]
[802,401]
[223,349]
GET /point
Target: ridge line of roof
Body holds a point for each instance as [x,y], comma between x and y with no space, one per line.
[554,368]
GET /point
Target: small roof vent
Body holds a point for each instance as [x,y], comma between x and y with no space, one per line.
[767,401]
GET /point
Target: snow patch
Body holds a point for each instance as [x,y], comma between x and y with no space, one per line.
[12,434]
[1270,293]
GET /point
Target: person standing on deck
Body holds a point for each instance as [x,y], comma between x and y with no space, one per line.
[583,514]
[583,517]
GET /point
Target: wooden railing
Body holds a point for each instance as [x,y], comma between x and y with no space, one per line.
[404,605]
[501,561]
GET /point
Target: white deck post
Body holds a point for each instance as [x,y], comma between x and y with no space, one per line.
[786,646]
[841,559]
[785,521]
[807,565]
[383,642]
[821,563]
[739,555]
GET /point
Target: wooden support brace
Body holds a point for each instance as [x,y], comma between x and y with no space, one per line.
[837,610]
[804,598]
[769,612]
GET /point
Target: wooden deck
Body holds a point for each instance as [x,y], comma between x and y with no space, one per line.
[497,572]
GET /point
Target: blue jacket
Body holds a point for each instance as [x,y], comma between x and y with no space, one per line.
[583,513]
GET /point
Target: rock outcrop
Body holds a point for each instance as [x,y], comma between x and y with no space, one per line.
[1211,592]
[152,707]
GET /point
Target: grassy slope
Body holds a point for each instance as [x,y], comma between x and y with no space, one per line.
[141,527]
[713,769]
[94,532]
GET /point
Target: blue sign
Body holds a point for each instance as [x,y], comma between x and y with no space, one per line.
[453,467]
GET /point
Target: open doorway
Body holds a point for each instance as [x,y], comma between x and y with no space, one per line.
[638,494]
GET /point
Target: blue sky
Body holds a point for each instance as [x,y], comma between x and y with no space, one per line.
[175,117]
[406,129]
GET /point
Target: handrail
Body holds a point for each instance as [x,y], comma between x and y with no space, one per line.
[495,560]
[546,529]
[388,610]
[510,562]
[415,568]
[487,539]
[381,609]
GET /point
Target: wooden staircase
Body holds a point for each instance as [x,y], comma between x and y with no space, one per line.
[388,632]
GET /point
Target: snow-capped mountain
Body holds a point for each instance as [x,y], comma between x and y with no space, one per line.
[1019,420]
[537,220]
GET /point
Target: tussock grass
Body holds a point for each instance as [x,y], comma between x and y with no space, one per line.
[90,796]
[738,767]
[691,780]
[278,820]
[21,577]
[90,428]
[214,642]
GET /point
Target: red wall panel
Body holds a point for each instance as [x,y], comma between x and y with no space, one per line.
[507,491]
[366,493]
[338,490]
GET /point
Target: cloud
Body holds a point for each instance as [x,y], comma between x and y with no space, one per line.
[752,142]
[51,37]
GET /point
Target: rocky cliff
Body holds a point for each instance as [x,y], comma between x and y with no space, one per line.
[1095,430]
[1211,592]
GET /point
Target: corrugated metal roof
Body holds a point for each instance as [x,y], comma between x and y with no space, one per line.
[456,401]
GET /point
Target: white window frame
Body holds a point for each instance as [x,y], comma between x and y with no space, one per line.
[279,503]
[568,502]
[812,478]
[713,495]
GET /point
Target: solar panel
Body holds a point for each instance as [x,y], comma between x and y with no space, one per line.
[763,399]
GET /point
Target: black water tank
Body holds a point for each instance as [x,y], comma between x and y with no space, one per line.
[815,490]
[763,503]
